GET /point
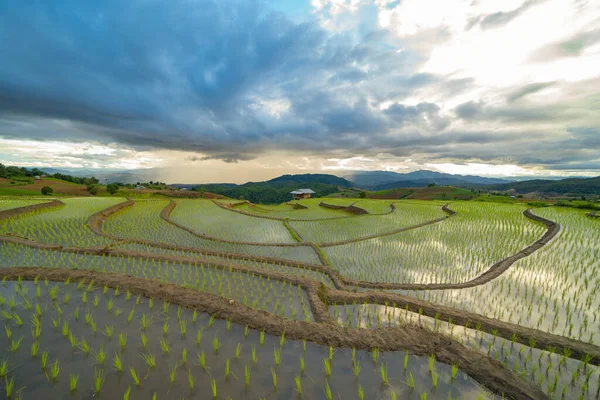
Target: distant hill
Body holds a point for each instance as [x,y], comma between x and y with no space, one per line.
[312,178]
[383,180]
[278,190]
[576,186]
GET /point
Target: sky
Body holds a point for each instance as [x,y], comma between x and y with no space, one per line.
[235,91]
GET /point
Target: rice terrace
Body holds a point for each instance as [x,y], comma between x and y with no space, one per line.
[315,298]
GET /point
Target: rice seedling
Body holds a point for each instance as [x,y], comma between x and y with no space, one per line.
[246,375]
[172,374]
[327,367]
[190,379]
[227,369]
[109,330]
[134,376]
[238,350]
[202,360]
[9,386]
[383,373]
[213,386]
[274,375]
[327,391]
[15,344]
[164,345]
[356,368]
[3,368]
[361,392]
[100,355]
[302,365]
[99,380]
[276,356]
[144,341]
[216,344]
[127,393]
[54,371]
[117,363]
[254,356]
[44,360]
[73,379]
[410,381]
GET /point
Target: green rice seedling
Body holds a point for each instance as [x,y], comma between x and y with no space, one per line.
[202,360]
[165,327]
[184,356]
[254,356]
[375,355]
[3,367]
[238,350]
[117,363]
[405,360]
[127,393]
[73,341]
[66,298]
[9,386]
[144,341]
[84,346]
[38,310]
[98,380]
[145,321]
[105,290]
[130,316]
[383,373]
[109,330]
[172,373]
[282,339]
[276,356]
[194,316]
[96,301]
[100,355]
[327,391]
[183,327]
[213,386]
[198,337]
[127,295]
[149,359]
[17,319]
[274,375]
[299,386]
[431,359]
[454,371]
[122,340]
[164,345]
[356,368]
[15,344]
[246,329]
[246,375]
[228,325]
[134,376]
[410,381]
[166,305]
[44,360]
[73,379]
[76,314]
[327,367]
[304,345]
[65,328]
[84,297]
[361,392]
[434,379]
[330,353]
[211,321]
[216,344]
[55,370]
[302,365]
[262,338]
[227,368]
[35,348]
[8,332]
[190,378]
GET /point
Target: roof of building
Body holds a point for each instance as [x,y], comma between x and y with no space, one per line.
[303,191]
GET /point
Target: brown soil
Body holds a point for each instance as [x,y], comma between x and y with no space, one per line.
[418,341]
[27,209]
[352,209]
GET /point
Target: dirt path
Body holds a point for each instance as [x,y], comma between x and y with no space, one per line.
[478,366]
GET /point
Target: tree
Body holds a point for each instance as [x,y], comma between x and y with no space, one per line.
[431,185]
[92,189]
[112,188]
[47,190]
[363,195]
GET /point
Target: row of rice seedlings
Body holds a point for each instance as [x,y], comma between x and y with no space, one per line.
[556,373]
[556,289]
[64,225]
[334,230]
[161,347]
[312,211]
[203,216]
[256,291]
[455,250]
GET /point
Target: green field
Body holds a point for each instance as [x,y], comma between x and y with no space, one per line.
[194,298]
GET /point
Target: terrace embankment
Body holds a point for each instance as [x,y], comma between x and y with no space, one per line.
[13,212]
[419,341]
[352,209]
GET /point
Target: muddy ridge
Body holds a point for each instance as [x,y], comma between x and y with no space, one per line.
[13,212]
[352,209]
[478,366]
